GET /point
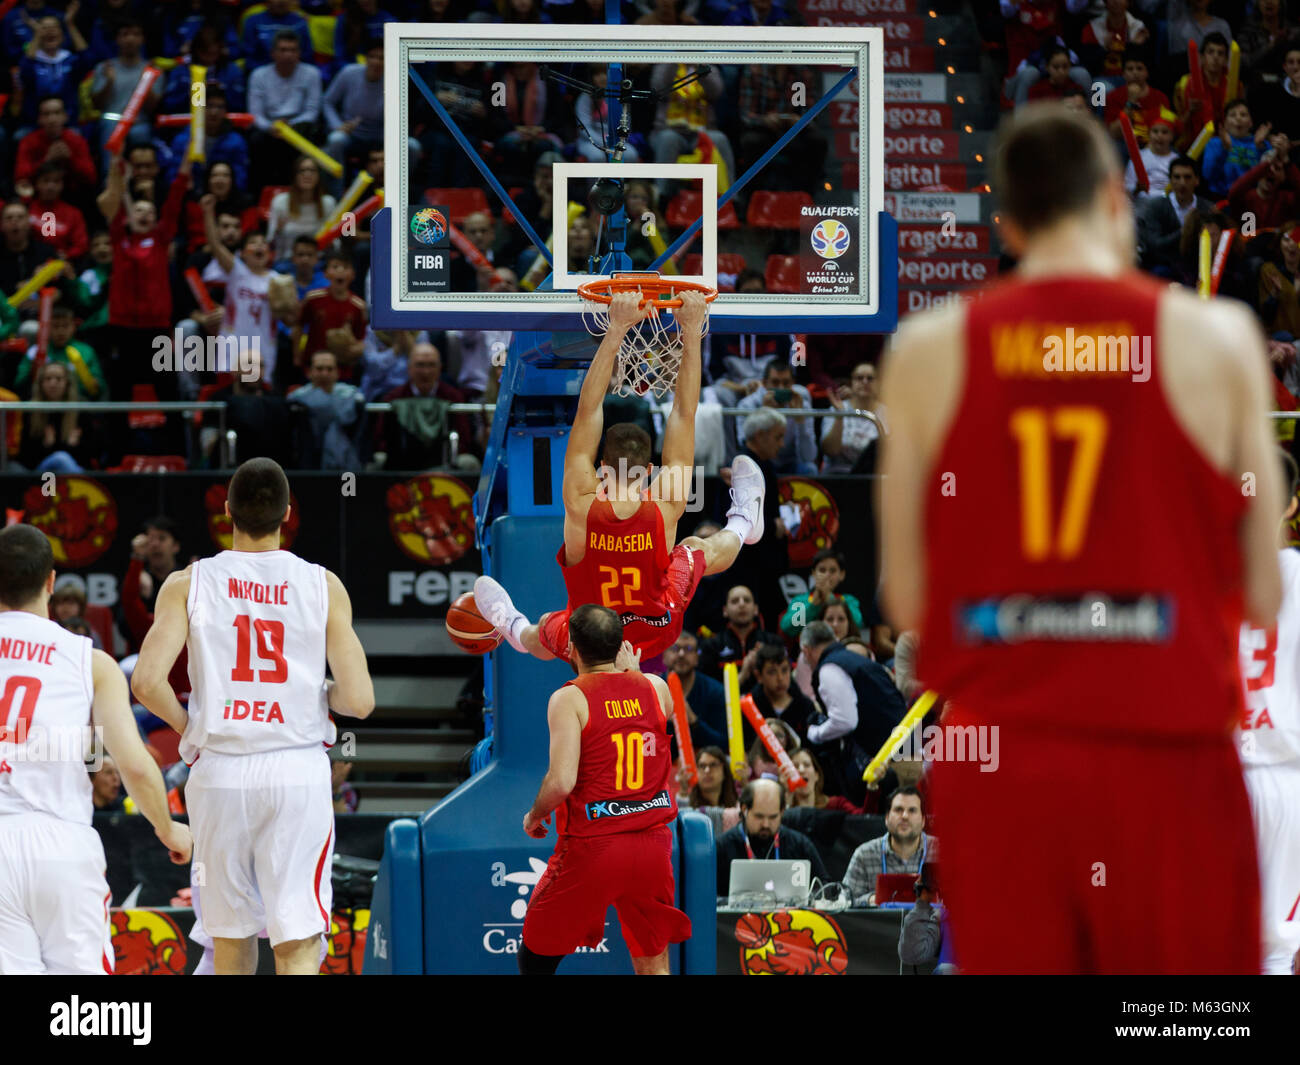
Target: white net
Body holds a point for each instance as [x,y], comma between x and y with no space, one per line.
[650,354]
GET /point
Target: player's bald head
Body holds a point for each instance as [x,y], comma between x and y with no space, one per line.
[1050,163]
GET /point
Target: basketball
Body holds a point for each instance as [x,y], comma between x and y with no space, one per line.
[468,629]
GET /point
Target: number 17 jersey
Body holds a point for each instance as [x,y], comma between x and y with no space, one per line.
[256,654]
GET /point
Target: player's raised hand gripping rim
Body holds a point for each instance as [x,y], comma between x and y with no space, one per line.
[690,315]
[626,309]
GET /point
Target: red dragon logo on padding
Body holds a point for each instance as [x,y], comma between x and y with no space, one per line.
[791,943]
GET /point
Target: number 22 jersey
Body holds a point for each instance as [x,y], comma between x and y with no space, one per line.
[256,654]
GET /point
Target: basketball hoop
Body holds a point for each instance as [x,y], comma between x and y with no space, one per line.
[651,351]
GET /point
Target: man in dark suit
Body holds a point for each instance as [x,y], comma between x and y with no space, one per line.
[1160,218]
[406,449]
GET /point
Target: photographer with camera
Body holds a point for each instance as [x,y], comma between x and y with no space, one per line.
[798,455]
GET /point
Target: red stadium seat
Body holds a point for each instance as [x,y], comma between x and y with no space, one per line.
[460,202]
[151,464]
[782,273]
[100,620]
[730,264]
[777,210]
[507,215]
[684,208]
[264,203]
[145,419]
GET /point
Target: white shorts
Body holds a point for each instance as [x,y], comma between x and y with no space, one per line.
[263,828]
[53,898]
[1275,805]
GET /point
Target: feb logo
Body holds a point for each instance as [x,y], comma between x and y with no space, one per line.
[830,238]
[222,531]
[80,519]
[431,519]
[346,942]
[428,225]
[791,943]
[819,518]
[147,943]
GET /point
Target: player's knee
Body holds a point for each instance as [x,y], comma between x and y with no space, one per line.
[531,964]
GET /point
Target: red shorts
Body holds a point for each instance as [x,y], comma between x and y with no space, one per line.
[1124,855]
[631,871]
[685,571]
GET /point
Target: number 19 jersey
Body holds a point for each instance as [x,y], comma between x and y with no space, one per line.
[256,654]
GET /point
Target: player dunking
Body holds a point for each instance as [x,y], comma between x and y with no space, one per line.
[53,687]
[608,783]
[260,625]
[618,544]
[1269,744]
[1066,523]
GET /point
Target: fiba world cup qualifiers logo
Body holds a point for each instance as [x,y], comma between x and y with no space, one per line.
[830,238]
[428,225]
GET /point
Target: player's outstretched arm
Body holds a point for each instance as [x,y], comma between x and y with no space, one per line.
[589,421]
[160,649]
[679,428]
[566,748]
[111,713]
[352,693]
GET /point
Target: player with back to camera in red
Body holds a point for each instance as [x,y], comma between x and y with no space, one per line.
[1080,500]
[619,531]
[608,785]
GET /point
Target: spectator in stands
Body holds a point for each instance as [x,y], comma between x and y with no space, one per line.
[115,81]
[759,759]
[333,410]
[264,30]
[68,600]
[20,23]
[360,26]
[154,557]
[221,72]
[829,571]
[139,293]
[465,90]
[594,130]
[59,442]
[534,111]
[1107,37]
[219,180]
[706,704]
[345,795]
[860,702]
[685,116]
[94,284]
[1160,218]
[760,834]
[49,69]
[1031,70]
[334,318]
[59,223]
[103,30]
[23,253]
[106,787]
[1194,113]
[760,565]
[299,211]
[287,90]
[847,442]
[62,347]
[813,792]
[736,363]
[53,142]
[384,359]
[354,111]
[258,417]
[143,170]
[479,230]
[413,435]
[838,617]
[1057,62]
[1269,191]
[773,694]
[1278,281]
[766,113]
[1232,152]
[1282,103]
[1156,156]
[739,641]
[536,203]
[714,784]
[1136,97]
[902,849]
[222,145]
[798,454]
[1190,20]
[1264,40]
[306,266]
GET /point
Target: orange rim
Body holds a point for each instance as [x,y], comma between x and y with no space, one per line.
[661,291]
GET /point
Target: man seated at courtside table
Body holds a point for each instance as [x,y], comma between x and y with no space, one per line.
[903,848]
[761,835]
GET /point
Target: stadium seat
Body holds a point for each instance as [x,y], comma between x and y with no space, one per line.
[206,392]
[145,419]
[264,202]
[100,620]
[777,210]
[460,202]
[684,208]
[782,273]
[151,464]
[730,264]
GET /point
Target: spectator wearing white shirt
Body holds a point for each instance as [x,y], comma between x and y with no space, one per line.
[287,90]
[1157,157]
[844,440]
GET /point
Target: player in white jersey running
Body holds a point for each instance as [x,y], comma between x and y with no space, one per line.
[260,625]
[53,686]
[1269,744]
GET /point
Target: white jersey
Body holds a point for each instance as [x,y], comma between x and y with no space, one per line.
[1270,667]
[248,312]
[46,692]
[256,654]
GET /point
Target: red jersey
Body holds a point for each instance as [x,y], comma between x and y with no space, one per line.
[321,312]
[625,568]
[1085,574]
[625,765]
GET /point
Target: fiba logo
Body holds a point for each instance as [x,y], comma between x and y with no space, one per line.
[830,238]
[428,225]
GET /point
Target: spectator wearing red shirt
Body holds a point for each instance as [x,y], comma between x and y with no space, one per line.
[153,558]
[57,223]
[53,142]
[139,290]
[1270,190]
[335,307]
[1143,103]
[1214,68]
[1058,81]
[1106,39]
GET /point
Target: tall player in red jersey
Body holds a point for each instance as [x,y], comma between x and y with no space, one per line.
[619,530]
[610,786]
[1079,504]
